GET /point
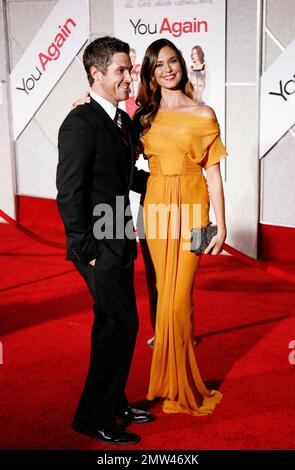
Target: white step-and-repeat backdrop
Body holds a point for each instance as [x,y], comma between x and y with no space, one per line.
[196,27]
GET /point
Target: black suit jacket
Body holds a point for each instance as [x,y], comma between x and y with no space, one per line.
[95,166]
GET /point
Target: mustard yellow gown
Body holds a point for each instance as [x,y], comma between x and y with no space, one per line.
[178,145]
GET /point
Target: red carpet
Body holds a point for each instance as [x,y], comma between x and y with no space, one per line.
[244,320]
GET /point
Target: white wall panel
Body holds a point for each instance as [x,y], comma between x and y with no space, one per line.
[280,19]
[7,164]
[277,198]
[2,44]
[24,20]
[241,186]
[272,51]
[101,17]
[241,40]
[35,163]
[278,183]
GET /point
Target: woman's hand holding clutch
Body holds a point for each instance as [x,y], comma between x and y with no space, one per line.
[215,247]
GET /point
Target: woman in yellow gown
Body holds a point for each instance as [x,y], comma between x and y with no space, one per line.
[180,139]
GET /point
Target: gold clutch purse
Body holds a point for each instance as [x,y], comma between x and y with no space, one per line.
[201,237]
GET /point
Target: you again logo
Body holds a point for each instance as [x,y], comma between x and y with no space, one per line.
[52,53]
[286,90]
[176,28]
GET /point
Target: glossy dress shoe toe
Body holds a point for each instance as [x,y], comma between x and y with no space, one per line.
[133,416]
[114,436]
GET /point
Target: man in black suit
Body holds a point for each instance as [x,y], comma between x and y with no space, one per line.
[95,172]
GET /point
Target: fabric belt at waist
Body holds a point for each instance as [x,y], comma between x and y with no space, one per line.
[158,166]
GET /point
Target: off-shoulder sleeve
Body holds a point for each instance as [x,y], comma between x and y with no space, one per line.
[214,152]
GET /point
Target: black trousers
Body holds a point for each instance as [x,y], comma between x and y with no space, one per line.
[113,338]
[150,274]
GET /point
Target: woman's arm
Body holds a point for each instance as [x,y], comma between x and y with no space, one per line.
[215,188]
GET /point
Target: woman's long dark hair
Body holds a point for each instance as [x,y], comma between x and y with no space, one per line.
[149,94]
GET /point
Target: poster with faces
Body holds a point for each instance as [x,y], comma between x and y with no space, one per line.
[196,27]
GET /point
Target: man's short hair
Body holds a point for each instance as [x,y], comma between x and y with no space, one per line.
[99,53]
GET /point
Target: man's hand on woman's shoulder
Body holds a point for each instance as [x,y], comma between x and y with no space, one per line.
[83,100]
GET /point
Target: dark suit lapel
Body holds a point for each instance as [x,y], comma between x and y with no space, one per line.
[114,132]
[132,153]
[127,163]
[106,118]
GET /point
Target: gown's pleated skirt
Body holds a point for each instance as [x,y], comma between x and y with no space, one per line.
[175,374]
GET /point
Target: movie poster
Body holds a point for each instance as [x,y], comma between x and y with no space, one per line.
[197,28]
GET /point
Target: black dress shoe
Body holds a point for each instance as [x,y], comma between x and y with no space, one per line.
[133,416]
[113,436]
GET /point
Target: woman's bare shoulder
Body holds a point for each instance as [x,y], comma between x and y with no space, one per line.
[205,111]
